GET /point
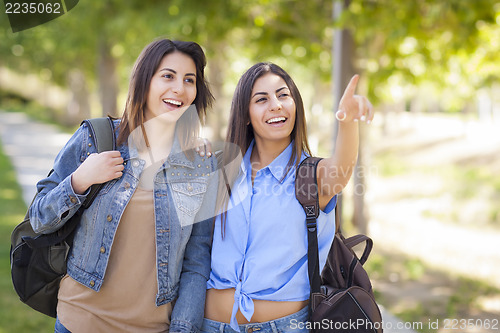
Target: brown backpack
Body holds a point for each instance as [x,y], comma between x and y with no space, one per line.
[341,298]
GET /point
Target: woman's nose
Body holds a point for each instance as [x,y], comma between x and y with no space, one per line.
[178,86]
[275,104]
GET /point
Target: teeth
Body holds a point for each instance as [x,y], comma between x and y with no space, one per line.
[275,120]
[171,101]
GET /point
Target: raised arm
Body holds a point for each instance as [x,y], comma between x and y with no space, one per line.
[334,172]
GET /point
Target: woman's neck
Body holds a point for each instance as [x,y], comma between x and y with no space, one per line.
[159,138]
[265,151]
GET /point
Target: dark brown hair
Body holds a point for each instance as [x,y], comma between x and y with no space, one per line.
[240,131]
[145,67]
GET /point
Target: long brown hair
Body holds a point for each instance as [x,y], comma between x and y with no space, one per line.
[240,131]
[145,66]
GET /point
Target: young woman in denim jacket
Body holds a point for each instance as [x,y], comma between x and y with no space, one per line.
[141,253]
[259,280]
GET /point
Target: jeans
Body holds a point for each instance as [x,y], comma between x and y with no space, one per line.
[294,323]
[59,328]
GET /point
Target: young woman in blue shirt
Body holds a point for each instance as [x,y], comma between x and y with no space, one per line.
[140,258]
[259,278]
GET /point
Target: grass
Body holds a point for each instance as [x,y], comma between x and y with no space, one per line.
[447,296]
[389,164]
[15,316]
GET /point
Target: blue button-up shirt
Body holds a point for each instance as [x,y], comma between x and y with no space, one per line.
[263,254]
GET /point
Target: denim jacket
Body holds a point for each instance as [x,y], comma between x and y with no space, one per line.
[183,218]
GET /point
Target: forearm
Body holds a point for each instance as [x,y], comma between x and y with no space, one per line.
[187,314]
[334,172]
[346,149]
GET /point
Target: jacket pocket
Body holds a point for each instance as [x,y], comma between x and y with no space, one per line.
[188,196]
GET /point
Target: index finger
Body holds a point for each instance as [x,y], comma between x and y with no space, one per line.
[351,87]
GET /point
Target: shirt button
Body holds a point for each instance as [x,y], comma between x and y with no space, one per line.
[92,283]
[103,249]
[126,185]
[109,218]
[73,200]
[135,164]
[190,188]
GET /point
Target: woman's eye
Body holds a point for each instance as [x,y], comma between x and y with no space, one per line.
[189,80]
[260,100]
[168,76]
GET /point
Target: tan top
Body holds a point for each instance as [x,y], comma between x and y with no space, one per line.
[126,301]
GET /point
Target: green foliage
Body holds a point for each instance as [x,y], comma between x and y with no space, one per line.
[448,47]
[389,164]
[447,43]
[15,316]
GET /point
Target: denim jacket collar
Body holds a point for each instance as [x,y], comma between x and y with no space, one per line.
[177,156]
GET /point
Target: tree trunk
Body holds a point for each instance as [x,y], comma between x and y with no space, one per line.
[360,216]
[79,106]
[108,81]
[217,117]
[343,70]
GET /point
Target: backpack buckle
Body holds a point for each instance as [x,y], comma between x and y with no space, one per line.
[311,223]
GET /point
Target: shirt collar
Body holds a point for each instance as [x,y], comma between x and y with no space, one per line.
[277,167]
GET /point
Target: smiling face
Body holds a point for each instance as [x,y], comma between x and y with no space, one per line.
[172,88]
[272,110]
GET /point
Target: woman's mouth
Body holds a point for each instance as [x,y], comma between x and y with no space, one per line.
[172,102]
[276,121]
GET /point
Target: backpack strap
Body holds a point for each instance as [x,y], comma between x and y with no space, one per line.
[103,132]
[306,192]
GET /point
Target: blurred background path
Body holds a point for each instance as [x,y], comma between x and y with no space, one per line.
[431,209]
[31,146]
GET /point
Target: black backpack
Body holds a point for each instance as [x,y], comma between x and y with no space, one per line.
[341,298]
[38,261]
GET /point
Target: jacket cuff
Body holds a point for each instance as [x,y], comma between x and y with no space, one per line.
[69,196]
[182,326]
